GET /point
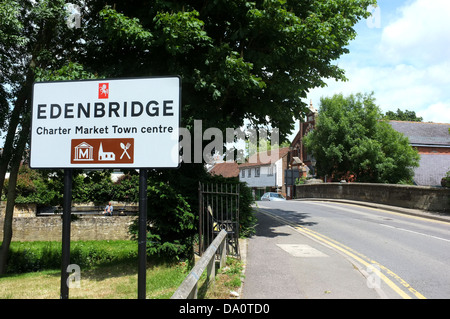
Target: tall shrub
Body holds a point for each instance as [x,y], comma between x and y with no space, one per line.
[171,224]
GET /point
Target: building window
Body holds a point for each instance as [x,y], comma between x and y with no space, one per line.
[243,173]
[249,172]
[257,171]
[270,173]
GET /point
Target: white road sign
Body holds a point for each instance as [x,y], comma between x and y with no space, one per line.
[117,123]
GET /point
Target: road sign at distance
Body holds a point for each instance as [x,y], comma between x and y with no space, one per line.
[117,123]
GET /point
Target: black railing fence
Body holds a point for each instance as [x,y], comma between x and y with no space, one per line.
[219,209]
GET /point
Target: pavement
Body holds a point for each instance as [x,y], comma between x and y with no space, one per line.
[283,263]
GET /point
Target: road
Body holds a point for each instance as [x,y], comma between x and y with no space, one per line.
[404,256]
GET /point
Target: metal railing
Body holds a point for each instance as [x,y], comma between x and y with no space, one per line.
[219,209]
[189,288]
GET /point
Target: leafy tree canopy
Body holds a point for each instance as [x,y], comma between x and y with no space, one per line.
[238,59]
[351,138]
[400,115]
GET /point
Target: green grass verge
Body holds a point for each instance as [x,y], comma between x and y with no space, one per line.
[108,271]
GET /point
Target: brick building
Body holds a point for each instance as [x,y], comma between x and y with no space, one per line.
[432,140]
[298,157]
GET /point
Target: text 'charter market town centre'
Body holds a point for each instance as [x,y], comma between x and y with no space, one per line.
[117,123]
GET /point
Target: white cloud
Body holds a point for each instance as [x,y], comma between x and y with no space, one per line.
[420,35]
[416,49]
[438,113]
[406,64]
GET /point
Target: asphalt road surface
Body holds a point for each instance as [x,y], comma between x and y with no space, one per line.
[403,256]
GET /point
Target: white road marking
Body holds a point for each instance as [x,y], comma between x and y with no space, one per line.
[297,250]
[415,232]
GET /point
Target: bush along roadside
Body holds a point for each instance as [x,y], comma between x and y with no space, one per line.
[445,181]
[44,255]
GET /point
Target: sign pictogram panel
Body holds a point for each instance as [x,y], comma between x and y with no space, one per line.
[97,151]
[116,123]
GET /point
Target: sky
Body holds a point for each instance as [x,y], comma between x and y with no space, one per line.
[402,54]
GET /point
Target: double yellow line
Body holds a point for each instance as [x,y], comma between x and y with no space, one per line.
[360,258]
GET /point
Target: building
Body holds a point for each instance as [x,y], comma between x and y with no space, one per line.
[432,140]
[264,171]
[298,157]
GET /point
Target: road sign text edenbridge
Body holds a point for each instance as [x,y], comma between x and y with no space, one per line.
[100,110]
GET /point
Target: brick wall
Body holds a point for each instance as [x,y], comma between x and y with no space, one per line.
[20,210]
[49,228]
[433,150]
[415,197]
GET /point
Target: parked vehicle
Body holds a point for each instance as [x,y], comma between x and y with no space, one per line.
[272,197]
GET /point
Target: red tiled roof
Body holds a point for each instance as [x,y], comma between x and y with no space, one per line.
[226,169]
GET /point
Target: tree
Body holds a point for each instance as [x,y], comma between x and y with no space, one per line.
[351,138]
[237,59]
[403,116]
[35,43]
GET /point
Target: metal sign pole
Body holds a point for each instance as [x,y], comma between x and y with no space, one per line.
[142,236]
[66,233]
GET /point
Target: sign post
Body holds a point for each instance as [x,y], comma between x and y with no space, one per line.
[142,235]
[65,260]
[96,124]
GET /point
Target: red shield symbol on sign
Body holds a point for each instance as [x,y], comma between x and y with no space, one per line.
[103,90]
